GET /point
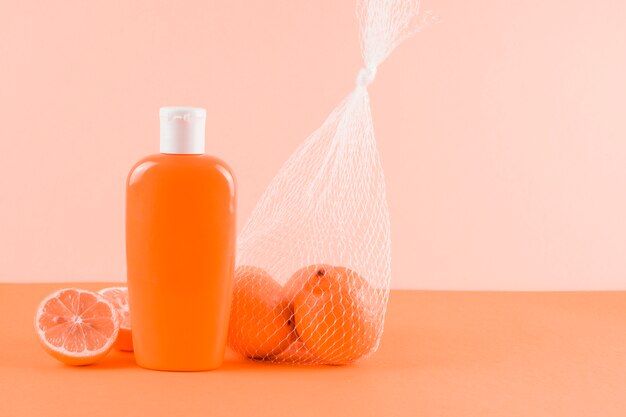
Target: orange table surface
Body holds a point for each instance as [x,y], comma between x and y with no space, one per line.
[457,354]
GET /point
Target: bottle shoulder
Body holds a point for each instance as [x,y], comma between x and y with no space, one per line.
[164,164]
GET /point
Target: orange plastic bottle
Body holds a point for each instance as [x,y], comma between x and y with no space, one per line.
[180,249]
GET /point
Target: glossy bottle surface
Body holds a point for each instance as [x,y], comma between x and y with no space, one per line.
[180,249]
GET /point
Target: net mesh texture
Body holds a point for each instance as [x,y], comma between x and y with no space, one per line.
[314,259]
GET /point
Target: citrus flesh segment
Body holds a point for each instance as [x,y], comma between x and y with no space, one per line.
[77,327]
[118,296]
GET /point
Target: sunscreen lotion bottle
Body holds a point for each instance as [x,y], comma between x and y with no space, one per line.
[180,248]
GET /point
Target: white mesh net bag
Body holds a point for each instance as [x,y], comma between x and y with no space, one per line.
[314,259]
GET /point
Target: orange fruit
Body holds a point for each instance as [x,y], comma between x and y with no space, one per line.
[118,296]
[260,323]
[333,315]
[77,327]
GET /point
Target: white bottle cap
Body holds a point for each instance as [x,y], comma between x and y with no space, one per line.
[182,130]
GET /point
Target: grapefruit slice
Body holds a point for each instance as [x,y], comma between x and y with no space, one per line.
[118,296]
[77,327]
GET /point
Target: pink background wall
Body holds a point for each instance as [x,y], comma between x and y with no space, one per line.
[502,129]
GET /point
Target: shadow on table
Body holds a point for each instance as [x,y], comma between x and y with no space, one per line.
[232,362]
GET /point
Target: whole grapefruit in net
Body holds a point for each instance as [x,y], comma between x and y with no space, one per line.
[261,325]
[77,327]
[334,316]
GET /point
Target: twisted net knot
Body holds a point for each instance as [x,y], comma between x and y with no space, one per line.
[366,76]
